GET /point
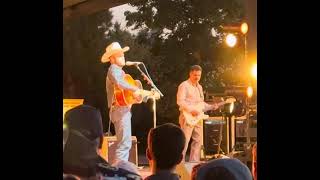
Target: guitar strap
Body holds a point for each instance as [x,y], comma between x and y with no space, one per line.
[112,104]
[201,95]
[113,85]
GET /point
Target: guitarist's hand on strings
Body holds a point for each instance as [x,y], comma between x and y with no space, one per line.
[137,95]
[215,106]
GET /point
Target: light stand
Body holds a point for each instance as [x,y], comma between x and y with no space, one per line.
[228,114]
[248,123]
[220,134]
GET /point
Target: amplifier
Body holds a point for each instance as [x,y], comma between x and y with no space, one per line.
[214,135]
[244,134]
[109,146]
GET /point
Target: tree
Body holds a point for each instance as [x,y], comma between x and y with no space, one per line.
[83,44]
[180,35]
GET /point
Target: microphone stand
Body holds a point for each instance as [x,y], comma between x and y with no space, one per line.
[148,79]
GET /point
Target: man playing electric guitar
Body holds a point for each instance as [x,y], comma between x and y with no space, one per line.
[191,106]
[122,92]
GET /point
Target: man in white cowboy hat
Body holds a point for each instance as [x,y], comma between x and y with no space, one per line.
[119,115]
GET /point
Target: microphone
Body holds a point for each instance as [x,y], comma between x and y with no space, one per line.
[131,63]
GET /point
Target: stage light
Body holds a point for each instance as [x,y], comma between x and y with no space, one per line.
[231,108]
[231,40]
[244,28]
[254,71]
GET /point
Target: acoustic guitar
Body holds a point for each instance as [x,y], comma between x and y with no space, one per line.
[125,97]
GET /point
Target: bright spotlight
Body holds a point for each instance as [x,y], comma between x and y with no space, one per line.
[254,71]
[231,40]
[244,28]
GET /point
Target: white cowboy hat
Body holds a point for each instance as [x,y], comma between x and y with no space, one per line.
[112,49]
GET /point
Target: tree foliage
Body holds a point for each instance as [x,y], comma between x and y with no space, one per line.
[83,44]
[179,33]
[174,34]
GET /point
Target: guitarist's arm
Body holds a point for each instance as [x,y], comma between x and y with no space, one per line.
[117,76]
[208,107]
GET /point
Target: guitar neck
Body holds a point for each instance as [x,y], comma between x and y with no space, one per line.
[221,103]
[145,93]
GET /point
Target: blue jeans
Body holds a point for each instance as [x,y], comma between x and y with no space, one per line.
[121,118]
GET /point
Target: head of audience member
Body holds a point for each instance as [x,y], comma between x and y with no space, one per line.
[224,169]
[196,167]
[85,131]
[195,170]
[85,119]
[165,145]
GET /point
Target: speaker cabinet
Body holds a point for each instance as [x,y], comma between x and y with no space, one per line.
[109,146]
[214,136]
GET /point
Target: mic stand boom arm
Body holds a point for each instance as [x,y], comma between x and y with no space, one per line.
[149,81]
[154,99]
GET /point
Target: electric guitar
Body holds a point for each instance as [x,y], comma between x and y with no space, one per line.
[193,120]
[125,97]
